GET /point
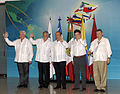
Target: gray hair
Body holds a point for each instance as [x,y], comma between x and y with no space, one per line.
[23,31]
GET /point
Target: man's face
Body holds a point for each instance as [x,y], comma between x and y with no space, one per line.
[77,35]
[99,34]
[58,36]
[22,35]
[45,36]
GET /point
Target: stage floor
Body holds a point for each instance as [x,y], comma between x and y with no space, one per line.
[9,86]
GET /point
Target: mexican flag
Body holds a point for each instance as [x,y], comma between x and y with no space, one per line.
[69,65]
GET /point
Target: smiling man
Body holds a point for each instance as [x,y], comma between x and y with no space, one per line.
[59,59]
[43,57]
[24,55]
[101,50]
[78,54]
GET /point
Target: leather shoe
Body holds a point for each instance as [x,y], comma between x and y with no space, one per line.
[75,88]
[96,90]
[102,90]
[64,87]
[25,86]
[83,89]
[19,86]
[56,87]
[40,86]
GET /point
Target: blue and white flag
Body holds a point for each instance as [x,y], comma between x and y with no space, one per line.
[52,70]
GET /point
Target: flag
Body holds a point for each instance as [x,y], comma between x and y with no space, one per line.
[94,28]
[94,36]
[52,70]
[50,30]
[85,10]
[69,66]
[59,25]
[83,36]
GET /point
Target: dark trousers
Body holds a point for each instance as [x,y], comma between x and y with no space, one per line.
[60,73]
[23,69]
[44,73]
[80,66]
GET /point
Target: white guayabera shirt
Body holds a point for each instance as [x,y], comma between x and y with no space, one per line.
[101,49]
[59,51]
[24,50]
[78,48]
[43,50]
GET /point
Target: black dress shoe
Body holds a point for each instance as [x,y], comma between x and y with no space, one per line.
[25,86]
[83,89]
[57,87]
[19,86]
[102,90]
[40,86]
[96,90]
[64,87]
[45,86]
[75,88]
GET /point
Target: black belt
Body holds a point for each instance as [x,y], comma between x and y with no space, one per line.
[79,56]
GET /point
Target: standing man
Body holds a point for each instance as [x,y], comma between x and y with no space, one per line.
[78,53]
[24,54]
[59,60]
[101,50]
[43,57]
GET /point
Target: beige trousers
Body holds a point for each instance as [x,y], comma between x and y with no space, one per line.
[100,74]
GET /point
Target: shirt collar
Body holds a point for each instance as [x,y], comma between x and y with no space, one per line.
[100,40]
[78,40]
[58,41]
[22,40]
[45,41]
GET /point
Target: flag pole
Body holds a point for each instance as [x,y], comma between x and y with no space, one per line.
[93,16]
[50,18]
[59,18]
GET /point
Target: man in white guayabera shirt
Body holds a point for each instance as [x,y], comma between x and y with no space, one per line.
[101,50]
[78,54]
[24,55]
[43,57]
[59,60]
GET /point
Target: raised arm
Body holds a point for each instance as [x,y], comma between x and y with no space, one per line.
[10,43]
[65,44]
[34,42]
